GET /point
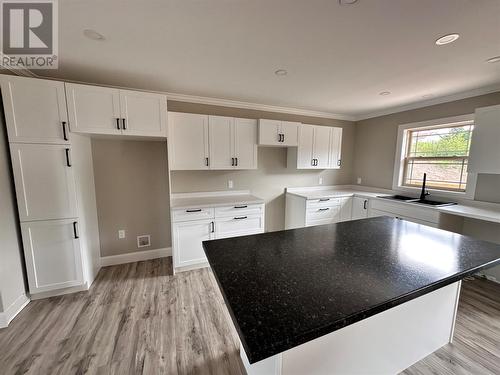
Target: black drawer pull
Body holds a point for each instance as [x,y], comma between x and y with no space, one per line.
[75,231]
[240,206]
[324,209]
[65,136]
[197,210]
[324,199]
[68,162]
[241,217]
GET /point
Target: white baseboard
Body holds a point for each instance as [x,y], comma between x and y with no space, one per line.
[14,309]
[136,256]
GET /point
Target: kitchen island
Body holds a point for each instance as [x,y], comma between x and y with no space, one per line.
[364,296]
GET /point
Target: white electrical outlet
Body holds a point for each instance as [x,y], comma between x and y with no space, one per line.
[359,180]
[230,184]
[144,240]
[320,181]
[121,234]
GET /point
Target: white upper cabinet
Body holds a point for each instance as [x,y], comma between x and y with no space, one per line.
[313,151]
[211,142]
[93,109]
[103,110]
[45,184]
[188,141]
[336,148]
[278,133]
[143,113]
[245,143]
[484,155]
[35,110]
[53,255]
[221,142]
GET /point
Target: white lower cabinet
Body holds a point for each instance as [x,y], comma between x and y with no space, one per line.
[53,255]
[187,239]
[191,226]
[359,208]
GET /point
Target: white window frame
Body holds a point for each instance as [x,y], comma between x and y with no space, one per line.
[401,147]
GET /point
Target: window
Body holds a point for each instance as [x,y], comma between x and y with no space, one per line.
[442,153]
[439,148]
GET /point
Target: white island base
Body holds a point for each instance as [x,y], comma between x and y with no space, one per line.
[386,343]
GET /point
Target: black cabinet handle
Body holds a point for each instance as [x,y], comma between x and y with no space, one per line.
[236,159]
[124,124]
[75,231]
[324,209]
[364,204]
[196,210]
[282,137]
[232,162]
[324,199]
[206,162]
[212,224]
[118,123]
[245,206]
[68,162]
[65,136]
[241,217]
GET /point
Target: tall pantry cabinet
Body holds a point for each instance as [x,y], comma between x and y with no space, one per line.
[54,185]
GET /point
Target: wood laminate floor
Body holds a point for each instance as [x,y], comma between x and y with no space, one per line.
[139,319]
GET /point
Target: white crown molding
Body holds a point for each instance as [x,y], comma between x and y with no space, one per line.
[429,102]
[291,110]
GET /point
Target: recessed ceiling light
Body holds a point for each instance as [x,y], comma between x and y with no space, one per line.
[493,59]
[385,93]
[92,34]
[347,2]
[446,39]
[281,72]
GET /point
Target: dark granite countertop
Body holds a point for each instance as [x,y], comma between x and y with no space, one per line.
[286,288]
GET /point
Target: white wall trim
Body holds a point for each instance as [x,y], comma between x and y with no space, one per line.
[14,309]
[136,256]
[430,102]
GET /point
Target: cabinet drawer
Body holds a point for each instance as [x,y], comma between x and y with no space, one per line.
[323,202]
[408,210]
[239,226]
[323,213]
[239,210]
[194,213]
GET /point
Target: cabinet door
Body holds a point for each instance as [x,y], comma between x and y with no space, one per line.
[187,239]
[290,131]
[245,143]
[35,110]
[269,131]
[484,150]
[53,255]
[45,184]
[336,148]
[321,150]
[221,142]
[305,147]
[93,109]
[143,113]
[359,208]
[239,225]
[346,209]
[188,141]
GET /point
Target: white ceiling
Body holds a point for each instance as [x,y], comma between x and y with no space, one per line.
[338,58]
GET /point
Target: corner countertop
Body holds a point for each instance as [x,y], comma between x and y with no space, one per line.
[475,210]
[213,199]
[286,288]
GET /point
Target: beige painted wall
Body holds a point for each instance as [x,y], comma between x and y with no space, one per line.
[375,143]
[131,183]
[11,263]
[272,175]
